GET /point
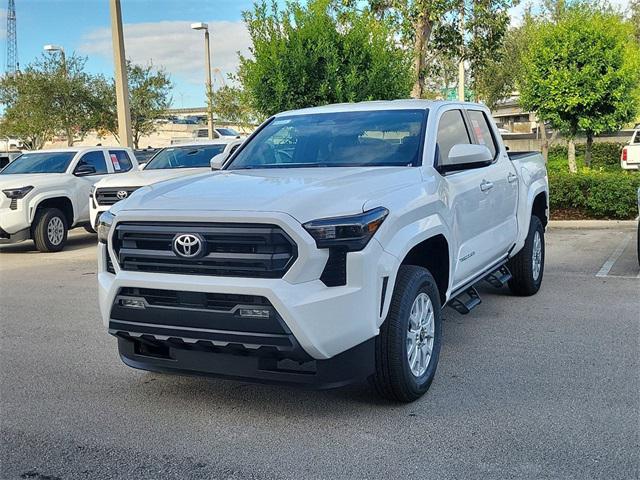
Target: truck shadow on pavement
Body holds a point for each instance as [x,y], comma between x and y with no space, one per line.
[77,241]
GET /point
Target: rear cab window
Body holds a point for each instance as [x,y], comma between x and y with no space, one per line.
[482,131]
[120,161]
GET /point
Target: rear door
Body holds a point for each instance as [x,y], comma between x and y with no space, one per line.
[502,195]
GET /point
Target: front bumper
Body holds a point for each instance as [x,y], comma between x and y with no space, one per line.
[322,322]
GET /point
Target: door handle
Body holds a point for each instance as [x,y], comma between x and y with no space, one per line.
[486,186]
[512,178]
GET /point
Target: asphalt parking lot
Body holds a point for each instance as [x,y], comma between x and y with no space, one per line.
[531,388]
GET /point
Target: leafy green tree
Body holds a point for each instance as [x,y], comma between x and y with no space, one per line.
[314,54]
[582,74]
[232,105]
[52,95]
[439,33]
[149,99]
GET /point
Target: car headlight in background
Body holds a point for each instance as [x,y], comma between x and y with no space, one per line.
[17,193]
[352,232]
[104,225]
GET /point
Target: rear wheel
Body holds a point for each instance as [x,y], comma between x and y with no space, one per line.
[408,346]
[527,266]
[50,230]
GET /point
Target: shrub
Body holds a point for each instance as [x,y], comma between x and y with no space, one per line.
[595,194]
[604,156]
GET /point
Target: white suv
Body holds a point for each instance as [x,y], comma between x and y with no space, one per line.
[46,192]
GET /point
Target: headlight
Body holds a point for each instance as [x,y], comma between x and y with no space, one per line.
[17,193]
[351,233]
[104,225]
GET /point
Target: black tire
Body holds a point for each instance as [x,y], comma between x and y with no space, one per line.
[393,378]
[524,282]
[40,231]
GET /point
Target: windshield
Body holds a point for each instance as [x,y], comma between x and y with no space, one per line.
[229,132]
[343,139]
[40,162]
[184,157]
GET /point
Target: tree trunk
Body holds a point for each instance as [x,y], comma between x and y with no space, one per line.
[545,142]
[422,29]
[571,154]
[69,137]
[587,151]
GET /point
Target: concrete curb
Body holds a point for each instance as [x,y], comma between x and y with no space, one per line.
[593,224]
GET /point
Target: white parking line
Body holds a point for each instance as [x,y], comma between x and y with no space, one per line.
[606,267]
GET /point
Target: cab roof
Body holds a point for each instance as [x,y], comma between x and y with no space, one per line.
[402,104]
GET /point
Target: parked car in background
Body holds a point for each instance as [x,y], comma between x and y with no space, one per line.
[630,156]
[143,155]
[7,157]
[203,133]
[638,236]
[325,248]
[171,162]
[44,192]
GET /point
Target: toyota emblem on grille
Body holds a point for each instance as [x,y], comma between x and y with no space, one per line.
[122,194]
[188,245]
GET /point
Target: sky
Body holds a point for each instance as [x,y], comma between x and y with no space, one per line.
[156,31]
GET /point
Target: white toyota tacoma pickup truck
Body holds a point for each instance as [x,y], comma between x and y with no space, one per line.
[325,249]
[630,155]
[46,192]
[171,162]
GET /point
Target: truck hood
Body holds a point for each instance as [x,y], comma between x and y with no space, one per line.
[37,180]
[304,193]
[142,178]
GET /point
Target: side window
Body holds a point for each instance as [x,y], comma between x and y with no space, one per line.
[120,161]
[233,149]
[451,131]
[96,160]
[637,137]
[481,129]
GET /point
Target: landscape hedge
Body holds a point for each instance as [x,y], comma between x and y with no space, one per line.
[595,194]
[604,156]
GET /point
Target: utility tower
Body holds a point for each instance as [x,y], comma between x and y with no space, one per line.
[12,40]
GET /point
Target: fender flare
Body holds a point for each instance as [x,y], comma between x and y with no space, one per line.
[35,202]
[406,239]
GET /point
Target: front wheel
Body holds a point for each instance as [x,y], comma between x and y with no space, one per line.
[408,346]
[50,230]
[527,266]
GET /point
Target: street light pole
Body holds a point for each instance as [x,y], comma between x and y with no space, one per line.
[65,73]
[207,61]
[122,85]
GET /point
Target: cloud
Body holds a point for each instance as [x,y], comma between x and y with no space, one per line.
[174,46]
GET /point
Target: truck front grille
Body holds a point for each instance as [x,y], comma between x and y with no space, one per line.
[228,249]
[109,196]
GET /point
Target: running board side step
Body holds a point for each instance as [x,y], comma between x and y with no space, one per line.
[465,301]
[500,277]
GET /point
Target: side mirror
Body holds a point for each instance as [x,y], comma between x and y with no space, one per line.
[84,170]
[218,161]
[464,156]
